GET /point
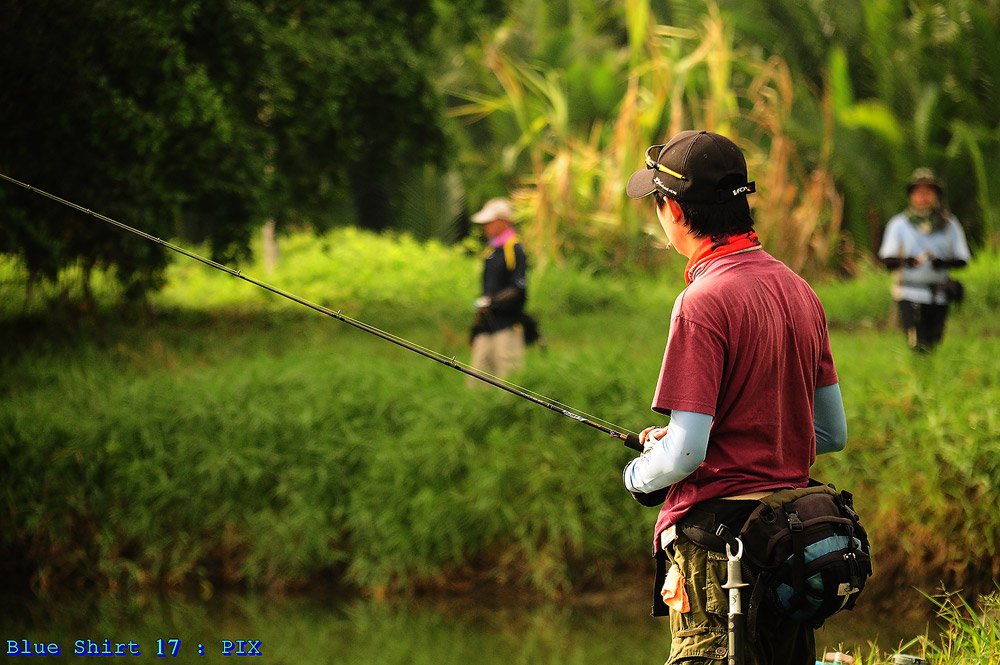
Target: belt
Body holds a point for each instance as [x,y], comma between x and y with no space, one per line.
[699,524]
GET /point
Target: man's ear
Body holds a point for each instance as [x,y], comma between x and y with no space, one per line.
[675,209]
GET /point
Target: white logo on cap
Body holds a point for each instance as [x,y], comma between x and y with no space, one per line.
[668,190]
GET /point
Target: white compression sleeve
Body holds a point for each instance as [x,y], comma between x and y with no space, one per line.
[680,451]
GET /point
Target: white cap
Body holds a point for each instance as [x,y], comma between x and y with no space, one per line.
[493,210]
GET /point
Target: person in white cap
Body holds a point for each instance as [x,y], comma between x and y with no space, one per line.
[497,335]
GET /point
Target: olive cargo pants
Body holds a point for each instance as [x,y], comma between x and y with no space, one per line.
[700,636]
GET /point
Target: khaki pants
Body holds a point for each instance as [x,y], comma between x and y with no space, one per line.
[498,353]
[701,635]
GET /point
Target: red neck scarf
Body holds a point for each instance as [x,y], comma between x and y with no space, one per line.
[715,246]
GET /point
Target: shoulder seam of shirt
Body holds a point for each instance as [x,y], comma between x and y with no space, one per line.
[699,325]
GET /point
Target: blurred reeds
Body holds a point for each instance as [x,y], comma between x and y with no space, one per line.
[569,172]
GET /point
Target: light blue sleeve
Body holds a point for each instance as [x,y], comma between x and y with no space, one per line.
[672,458]
[829,420]
[960,248]
[892,240]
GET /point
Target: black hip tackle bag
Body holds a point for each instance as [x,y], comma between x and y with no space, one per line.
[807,554]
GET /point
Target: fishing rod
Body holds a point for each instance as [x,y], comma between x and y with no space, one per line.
[629,439]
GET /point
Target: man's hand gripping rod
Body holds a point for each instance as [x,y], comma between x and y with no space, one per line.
[630,440]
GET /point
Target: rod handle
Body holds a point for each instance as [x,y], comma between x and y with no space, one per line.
[736,639]
[632,441]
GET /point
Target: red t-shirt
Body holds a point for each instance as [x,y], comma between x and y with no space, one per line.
[748,346]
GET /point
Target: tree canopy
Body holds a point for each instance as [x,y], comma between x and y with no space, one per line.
[201,119]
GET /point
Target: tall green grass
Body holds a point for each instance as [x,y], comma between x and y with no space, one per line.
[966,633]
[227,437]
[971,635]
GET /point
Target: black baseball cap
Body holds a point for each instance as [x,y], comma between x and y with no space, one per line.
[696,166]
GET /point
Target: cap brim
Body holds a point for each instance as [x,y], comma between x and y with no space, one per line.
[640,184]
[485,216]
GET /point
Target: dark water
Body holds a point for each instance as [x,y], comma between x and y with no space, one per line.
[315,629]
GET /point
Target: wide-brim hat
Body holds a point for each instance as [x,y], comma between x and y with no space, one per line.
[494,209]
[924,176]
[696,166]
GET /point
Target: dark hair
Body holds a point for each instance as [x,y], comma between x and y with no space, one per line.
[712,219]
[728,217]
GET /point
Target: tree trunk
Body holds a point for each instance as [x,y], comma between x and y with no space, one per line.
[270,246]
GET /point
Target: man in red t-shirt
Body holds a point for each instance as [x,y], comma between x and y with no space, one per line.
[749,383]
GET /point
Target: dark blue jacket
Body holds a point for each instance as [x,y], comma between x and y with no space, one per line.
[505,281]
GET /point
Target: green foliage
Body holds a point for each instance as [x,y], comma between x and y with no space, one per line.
[391,278]
[971,635]
[922,455]
[968,634]
[246,440]
[834,103]
[922,95]
[201,120]
[159,136]
[860,301]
